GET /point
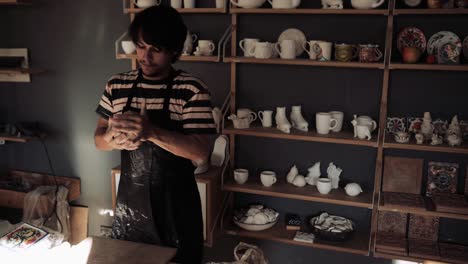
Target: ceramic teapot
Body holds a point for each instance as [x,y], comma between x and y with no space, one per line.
[284,4]
[363,121]
[366,4]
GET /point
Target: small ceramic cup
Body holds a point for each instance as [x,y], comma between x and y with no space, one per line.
[324,185]
[241,175]
[402,137]
[268,178]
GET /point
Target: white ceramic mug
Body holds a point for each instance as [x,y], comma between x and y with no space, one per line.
[146,3]
[189,3]
[246,113]
[268,178]
[248,44]
[266,117]
[206,46]
[339,119]
[282,4]
[309,48]
[323,50]
[262,50]
[323,122]
[248,3]
[128,46]
[324,185]
[241,175]
[286,49]
[220,3]
[176,3]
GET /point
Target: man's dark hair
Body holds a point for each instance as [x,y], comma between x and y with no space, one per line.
[160,26]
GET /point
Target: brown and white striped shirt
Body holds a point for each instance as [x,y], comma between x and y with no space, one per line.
[189,105]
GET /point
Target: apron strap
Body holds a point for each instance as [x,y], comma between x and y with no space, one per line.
[132,92]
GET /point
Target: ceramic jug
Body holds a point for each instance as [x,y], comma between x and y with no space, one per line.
[188,44]
[284,4]
[366,4]
[364,121]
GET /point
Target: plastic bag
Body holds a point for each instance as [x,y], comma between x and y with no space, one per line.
[39,205]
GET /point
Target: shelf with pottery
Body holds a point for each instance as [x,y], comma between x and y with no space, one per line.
[428,67]
[305,62]
[429,11]
[417,260]
[309,11]
[307,193]
[13,71]
[182,58]
[343,137]
[21,139]
[391,143]
[357,244]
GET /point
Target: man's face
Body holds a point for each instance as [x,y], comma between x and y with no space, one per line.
[153,61]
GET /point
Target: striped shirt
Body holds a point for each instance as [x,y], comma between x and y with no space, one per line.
[189,105]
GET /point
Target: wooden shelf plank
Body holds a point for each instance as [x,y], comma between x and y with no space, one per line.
[439,11]
[20,71]
[358,244]
[18,139]
[308,193]
[428,67]
[343,137]
[390,143]
[309,11]
[305,62]
[182,58]
[15,2]
[183,10]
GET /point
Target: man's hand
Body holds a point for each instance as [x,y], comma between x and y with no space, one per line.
[136,126]
[120,141]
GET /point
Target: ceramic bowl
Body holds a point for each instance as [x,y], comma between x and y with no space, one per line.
[256,227]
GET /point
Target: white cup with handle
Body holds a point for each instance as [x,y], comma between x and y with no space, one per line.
[309,48]
[189,3]
[246,113]
[338,115]
[286,49]
[268,178]
[248,44]
[146,3]
[323,50]
[206,47]
[266,117]
[262,50]
[324,122]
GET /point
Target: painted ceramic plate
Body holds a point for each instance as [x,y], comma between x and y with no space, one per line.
[439,39]
[440,126]
[411,37]
[295,34]
[396,124]
[449,53]
[465,47]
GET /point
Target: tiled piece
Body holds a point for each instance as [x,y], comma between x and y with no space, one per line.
[403,175]
[423,227]
[441,178]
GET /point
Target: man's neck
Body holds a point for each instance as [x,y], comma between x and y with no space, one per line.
[164,75]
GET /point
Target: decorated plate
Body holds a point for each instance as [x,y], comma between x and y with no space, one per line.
[396,124]
[449,53]
[465,47]
[294,34]
[411,37]
[439,39]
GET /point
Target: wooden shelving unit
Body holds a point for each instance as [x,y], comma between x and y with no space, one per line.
[425,212]
[183,10]
[358,244]
[428,67]
[418,260]
[182,58]
[20,71]
[343,137]
[15,2]
[305,62]
[309,11]
[392,144]
[308,193]
[453,11]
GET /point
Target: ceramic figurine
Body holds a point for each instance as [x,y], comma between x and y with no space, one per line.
[297,120]
[314,174]
[454,128]
[426,127]
[353,189]
[436,140]
[402,137]
[332,4]
[419,138]
[299,181]
[334,174]
[454,140]
[293,172]
[282,122]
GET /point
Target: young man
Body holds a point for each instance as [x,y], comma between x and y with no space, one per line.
[159,118]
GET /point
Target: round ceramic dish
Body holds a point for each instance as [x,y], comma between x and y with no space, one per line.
[255,227]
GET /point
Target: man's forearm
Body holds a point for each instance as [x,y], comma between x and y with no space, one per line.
[193,147]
